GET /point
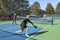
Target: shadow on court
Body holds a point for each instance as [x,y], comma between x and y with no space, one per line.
[20,35]
[33,39]
[38,33]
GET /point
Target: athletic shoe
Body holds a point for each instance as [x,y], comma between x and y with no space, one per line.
[16,32]
[27,35]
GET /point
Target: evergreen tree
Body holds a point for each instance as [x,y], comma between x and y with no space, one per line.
[49,9]
[58,8]
[34,8]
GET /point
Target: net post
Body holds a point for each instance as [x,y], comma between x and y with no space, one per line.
[52,21]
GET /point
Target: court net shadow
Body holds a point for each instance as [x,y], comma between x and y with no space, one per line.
[33,39]
[37,33]
[22,35]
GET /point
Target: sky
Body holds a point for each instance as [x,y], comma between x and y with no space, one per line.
[43,3]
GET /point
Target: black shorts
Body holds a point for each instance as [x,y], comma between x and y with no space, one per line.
[22,27]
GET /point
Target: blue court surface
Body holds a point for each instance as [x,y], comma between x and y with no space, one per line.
[7,32]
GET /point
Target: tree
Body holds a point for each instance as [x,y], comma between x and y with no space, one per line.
[49,9]
[58,8]
[7,6]
[19,6]
[4,6]
[1,8]
[34,8]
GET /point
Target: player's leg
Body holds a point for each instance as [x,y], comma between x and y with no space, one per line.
[13,22]
[21,29]
[27,29]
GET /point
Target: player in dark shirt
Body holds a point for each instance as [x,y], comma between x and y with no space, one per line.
[24,25]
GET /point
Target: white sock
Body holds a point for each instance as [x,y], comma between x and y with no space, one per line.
[26,33]
[17,31]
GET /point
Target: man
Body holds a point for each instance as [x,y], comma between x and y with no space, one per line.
[14,18]
[24,25]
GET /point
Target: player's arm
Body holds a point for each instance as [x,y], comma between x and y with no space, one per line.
[30,22]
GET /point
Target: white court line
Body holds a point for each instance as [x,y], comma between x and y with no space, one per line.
[39,31]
